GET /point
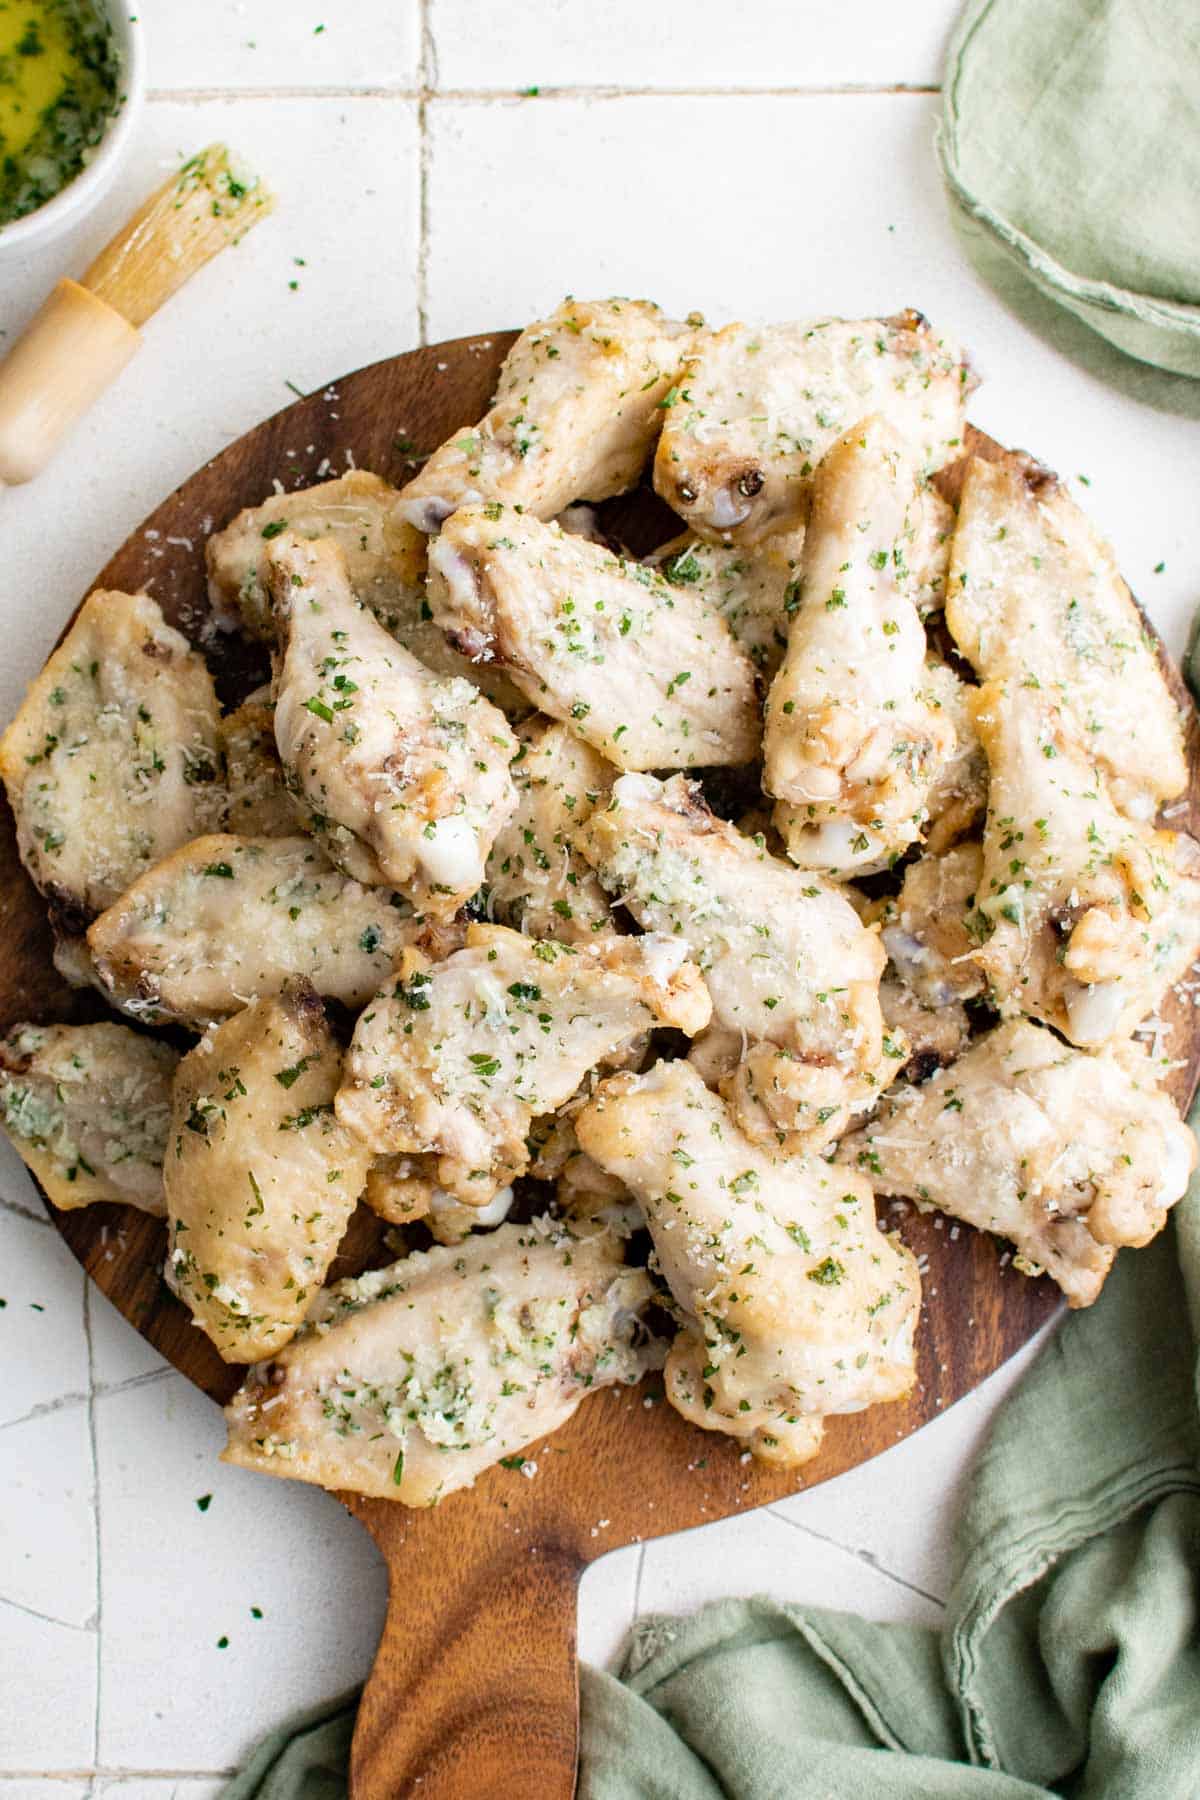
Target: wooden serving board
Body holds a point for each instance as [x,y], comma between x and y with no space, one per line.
[474,1692]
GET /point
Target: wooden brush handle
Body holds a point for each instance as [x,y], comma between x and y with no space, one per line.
[475,1693]
[74,347]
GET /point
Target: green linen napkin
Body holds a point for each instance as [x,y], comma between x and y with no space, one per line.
[1070,1658]
[1070,145]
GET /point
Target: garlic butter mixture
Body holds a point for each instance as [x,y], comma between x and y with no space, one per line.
[60,80]
[616,929]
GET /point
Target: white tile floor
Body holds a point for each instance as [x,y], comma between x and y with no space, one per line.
[430,193]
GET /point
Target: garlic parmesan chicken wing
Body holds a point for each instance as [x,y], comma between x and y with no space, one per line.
[793,973]
[1035,596]
[792,1304]
[260,1177]
[412,1380]
[578,406]
[454,1061]
[385,564]
[403,775]
[853,740]
[1090,916]
[957,797]
[87,1108]
[227,919]
[755,590]
[646,673]
[758,407]
[257,802]
[113,760]
[536,880]
[1067,1153]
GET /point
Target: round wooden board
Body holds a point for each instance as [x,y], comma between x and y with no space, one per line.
[474,1689]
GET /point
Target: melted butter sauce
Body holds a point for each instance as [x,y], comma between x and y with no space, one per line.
[59,85]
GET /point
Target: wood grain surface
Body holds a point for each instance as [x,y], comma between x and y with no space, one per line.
[474,1690]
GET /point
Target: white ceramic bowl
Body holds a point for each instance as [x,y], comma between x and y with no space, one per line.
[71,204]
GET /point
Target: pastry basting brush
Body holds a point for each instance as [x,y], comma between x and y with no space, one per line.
[87,330]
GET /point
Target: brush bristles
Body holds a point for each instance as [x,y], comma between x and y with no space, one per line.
[210,203]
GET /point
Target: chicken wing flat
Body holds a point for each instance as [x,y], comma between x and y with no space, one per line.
[758,407]
[1069,1154]
[412,1380]
[1035,596]
[793,1304]
[227,919]
[536,880]
[403,774]
[114,758]
[458,1058]
[258,803]
[793,973]
[931,930]
[260,1177]
[87,1109]
[853,741]
[755,589]
[646,673]
[1090,916]
[578,406]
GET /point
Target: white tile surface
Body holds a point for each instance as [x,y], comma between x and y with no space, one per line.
[216,361]
[688,44]
[176,1580]
[270,44]
[46,1474]
[42,1347]
[48,1680]
[770,205]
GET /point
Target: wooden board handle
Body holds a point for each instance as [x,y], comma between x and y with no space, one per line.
[475,1691]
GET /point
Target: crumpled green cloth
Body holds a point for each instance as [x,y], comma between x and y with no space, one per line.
[1070,146]
[1069,1662]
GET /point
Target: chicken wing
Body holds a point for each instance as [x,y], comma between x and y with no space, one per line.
[411,1381]
[457,1059]
[793,974]
[403,774]
[385,562]
[1067,1153]
[793,1305]
[931,929]
[114,758]
[957,797]
[578,406]
[227,918]
[853,741]
[1035,596]
[758,407]
[1090,916]
[643,671]
[536,880]
[87,1109]
[755,590]
[260,1177]
[258,803]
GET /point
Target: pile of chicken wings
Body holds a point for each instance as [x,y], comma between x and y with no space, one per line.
[459,903]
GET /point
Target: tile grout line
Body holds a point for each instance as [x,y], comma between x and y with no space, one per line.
[428,78]
[99,1772]
[19,1212]
[100,1391]
[484,96]
[32,1612]
[637,1582]
[861,1556]
[91,1425]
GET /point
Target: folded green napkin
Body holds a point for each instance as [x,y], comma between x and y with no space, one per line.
[1070,1658]
[1070,145]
